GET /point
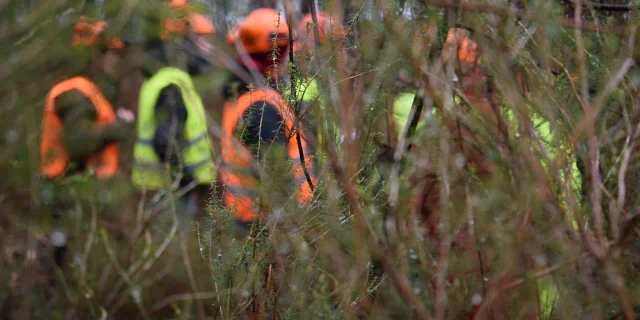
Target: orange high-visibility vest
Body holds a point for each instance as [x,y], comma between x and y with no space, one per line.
[236,177]
[53,155]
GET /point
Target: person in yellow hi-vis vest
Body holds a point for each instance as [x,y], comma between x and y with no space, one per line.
[173,146]
[192,149]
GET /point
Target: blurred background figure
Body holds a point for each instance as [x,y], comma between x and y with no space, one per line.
[81,131]
[184,21]
[264,37]
[80,125]
[172,124]
[331,34]
[261,119]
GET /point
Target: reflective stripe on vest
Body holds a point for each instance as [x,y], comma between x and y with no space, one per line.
[54,156]
[235,176]
[149,172]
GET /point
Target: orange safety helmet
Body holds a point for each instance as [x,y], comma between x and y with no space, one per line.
[89,32]
[260,30]
[466,49]
[178,3]
[328,28]
[189,22]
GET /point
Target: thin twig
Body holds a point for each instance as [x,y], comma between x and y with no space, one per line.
[192,279]
[592,142]
[180,297]
[88,245]
[604,6]
[293,102]
[443,227]
[403,286]
[517,13]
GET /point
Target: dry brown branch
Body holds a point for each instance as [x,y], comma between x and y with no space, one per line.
[401,283]
[520,14]
[604,6]
[180,297]
[192,279]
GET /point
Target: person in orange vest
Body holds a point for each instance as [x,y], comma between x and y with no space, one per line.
[81,100]
[268,122]
[81,131]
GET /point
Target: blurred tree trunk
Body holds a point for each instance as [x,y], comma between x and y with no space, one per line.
[263,4]
[305,6]
[349,10]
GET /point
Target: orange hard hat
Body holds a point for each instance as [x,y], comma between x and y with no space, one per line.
[178,3]
[327,27]
[260,31]
[467,51]
[89,32]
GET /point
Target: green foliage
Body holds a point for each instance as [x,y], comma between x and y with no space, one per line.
[503,242]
